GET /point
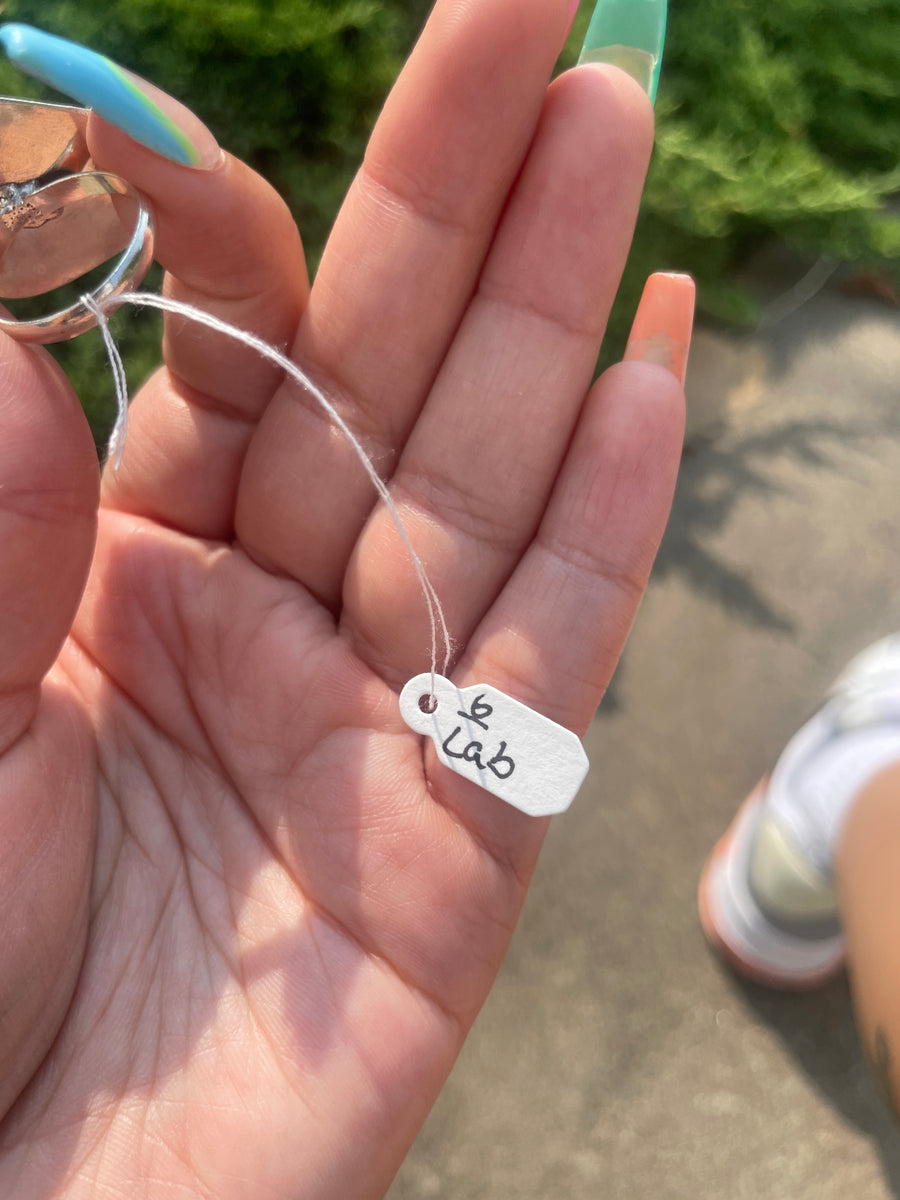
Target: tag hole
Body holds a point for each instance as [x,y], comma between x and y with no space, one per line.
[428,704]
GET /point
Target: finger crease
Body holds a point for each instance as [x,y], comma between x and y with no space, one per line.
[497,297]
[213,405]
[581,560]
[378,442]
[407,198]
[455,509]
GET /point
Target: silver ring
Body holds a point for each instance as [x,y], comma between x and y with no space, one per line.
[60,220]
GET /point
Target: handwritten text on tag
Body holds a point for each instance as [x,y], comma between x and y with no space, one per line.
[509,749]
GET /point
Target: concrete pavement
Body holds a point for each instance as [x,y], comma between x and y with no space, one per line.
[615,1058]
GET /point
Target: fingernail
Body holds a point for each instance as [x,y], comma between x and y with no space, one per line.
[131,104]
[629,34]
[661,332]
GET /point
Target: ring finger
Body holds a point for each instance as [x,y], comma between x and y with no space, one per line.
[477,471]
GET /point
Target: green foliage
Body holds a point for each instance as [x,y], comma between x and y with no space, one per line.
[291,86]
[773,119]
[796,126]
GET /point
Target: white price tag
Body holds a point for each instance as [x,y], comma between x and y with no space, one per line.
[509,749]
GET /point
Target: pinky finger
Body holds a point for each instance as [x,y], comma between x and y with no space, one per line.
[553,637]
[556,632]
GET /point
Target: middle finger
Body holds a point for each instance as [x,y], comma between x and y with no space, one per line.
[396,276]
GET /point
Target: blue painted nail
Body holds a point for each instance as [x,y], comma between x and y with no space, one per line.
[630,34]
[97,83]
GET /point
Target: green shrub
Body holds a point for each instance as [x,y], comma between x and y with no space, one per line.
[292,86]
[773,120]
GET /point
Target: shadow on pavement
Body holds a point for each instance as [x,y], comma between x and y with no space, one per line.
[819,1031]
[717,475]
[715,478]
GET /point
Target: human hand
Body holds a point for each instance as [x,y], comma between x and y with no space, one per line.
[247,919]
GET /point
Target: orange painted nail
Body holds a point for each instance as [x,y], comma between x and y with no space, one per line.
[661,332]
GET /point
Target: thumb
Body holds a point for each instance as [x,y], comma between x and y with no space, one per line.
[49,484]
[49,488]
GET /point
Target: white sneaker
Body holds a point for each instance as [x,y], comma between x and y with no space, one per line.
[766,897]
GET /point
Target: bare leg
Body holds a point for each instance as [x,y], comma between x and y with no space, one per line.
[867,867]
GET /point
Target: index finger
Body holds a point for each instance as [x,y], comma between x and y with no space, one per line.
[228,244]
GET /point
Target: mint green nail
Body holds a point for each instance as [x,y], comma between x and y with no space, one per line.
[97,83]
[629,34]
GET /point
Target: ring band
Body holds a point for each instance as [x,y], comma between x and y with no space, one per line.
[81,237]
[61,220]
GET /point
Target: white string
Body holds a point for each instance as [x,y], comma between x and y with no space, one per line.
[436,616]
[120,429]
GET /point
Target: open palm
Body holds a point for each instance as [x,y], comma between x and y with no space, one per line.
[247,918]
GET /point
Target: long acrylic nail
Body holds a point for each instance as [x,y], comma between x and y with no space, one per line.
[629,34]
[136,107]
[662,327]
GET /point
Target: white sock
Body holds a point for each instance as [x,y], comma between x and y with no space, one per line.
[818,778]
